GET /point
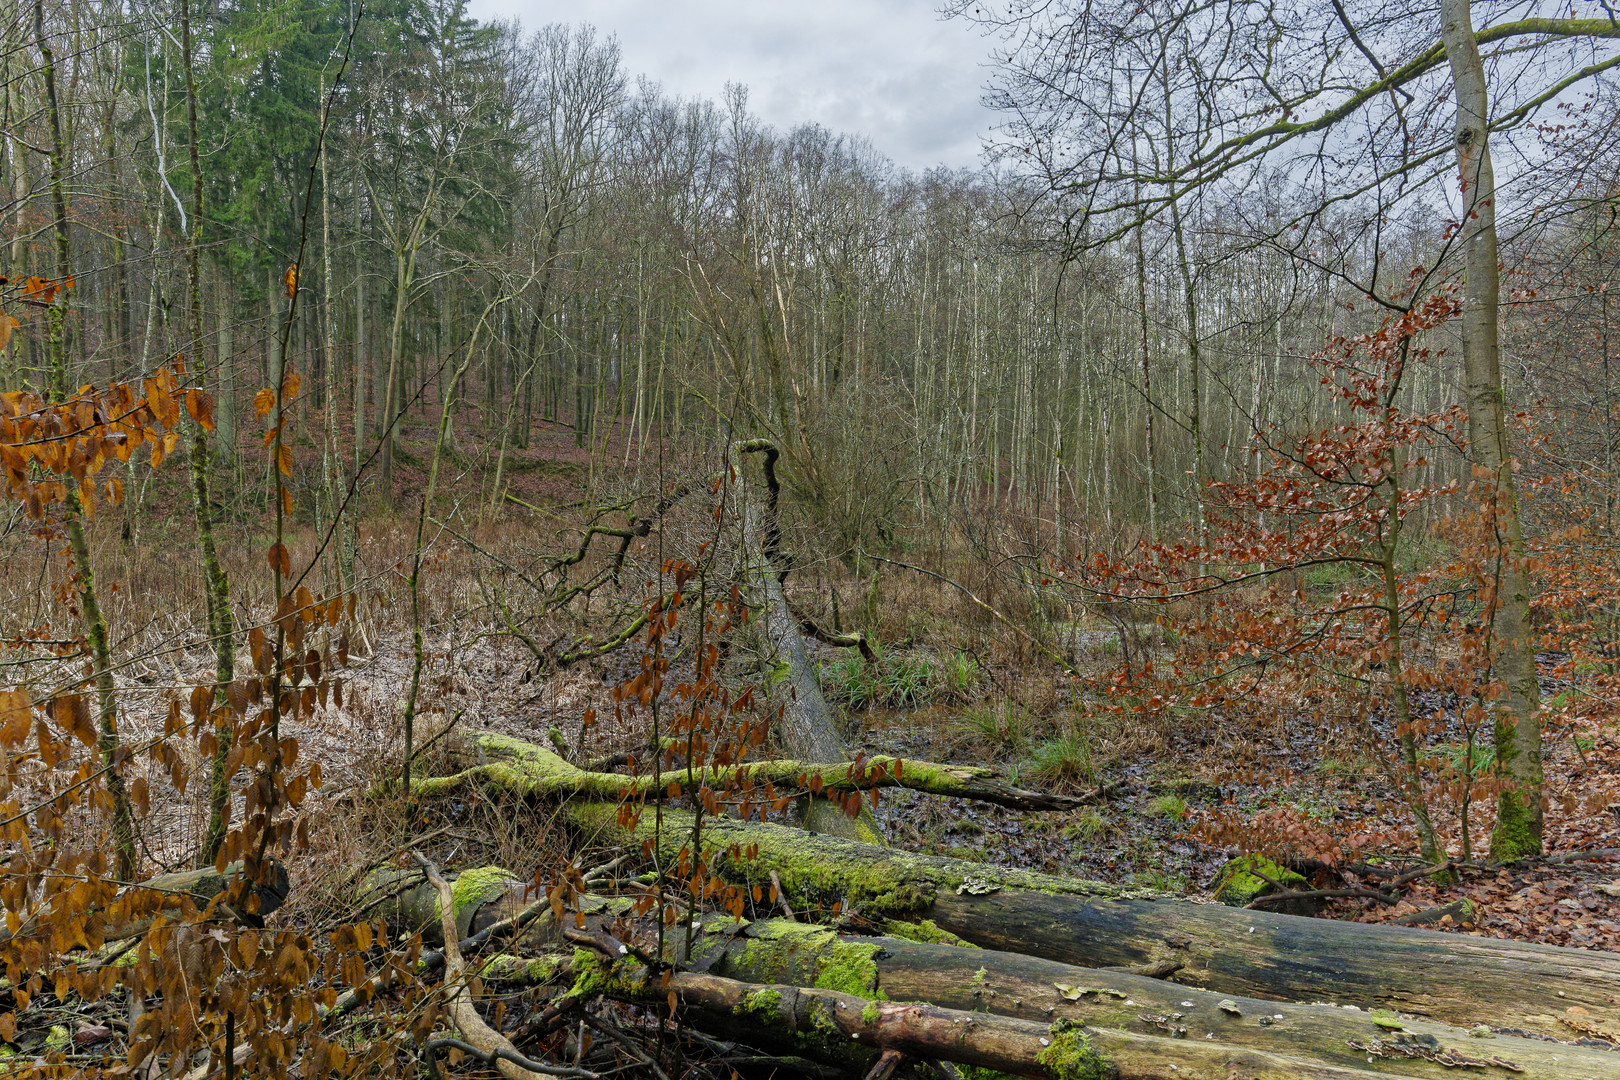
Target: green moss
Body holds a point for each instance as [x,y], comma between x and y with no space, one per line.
[1071,1055]
[925,931]
[871,1013]
[594,977]
[811,956]
[764,1006]
[60,1038]
[881,882]
[1513,838]
[978,1072]
[473,889]
[1237,884]
[520,969]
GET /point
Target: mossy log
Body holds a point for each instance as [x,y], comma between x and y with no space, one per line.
[536,771]
[1136,1024]
[408,903]
[853,1032]
[1455,978]
[1045,992]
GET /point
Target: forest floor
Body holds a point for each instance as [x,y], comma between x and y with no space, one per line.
[1165,784]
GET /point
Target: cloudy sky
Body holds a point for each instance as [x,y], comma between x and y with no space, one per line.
[888,69]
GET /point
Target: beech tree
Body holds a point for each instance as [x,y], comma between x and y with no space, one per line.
[1359,103]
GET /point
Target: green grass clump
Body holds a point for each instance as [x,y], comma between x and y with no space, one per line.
[1001,726]
[889,680]
[1168,806]
[1065,762]
[1090,825]
[960,673]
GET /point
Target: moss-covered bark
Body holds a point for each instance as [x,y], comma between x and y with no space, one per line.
[850,1031]
[530,769]
[1050,993]
[1450,977]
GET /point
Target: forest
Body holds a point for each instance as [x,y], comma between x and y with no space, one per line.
[506,569]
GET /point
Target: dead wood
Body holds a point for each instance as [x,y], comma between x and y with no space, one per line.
[493,1047]
[1454,978]
[529,769]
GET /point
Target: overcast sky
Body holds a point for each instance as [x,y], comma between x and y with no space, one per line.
[887,69]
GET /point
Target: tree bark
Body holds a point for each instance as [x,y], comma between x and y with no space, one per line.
[1454,978]
[524,768]
[806,991]
[808,731]
[1045,992]
[1518,723]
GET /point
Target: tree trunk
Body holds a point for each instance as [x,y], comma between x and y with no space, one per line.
[808,730]
[739,976]
[1454,978]
[1518,722]
[1043,991]
[524,768]
[806,991]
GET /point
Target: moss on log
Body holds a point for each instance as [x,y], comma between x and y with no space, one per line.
[1455,978]
[852,1031]
[1047,992]
[529,769]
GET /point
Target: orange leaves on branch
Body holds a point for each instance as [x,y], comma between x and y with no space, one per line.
[290,280]
[70,442]
[39,290]
[16,716]
[264,401]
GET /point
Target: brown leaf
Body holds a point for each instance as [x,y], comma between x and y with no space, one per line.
[201,408]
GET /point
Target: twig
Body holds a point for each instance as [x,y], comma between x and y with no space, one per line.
[1577,856]
[781,897]
[885,1065]
[1309,894]
[601,1026]
[1319,894]
[500,1053]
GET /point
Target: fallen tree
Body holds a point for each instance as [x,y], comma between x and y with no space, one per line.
[1455,978]
[525,768]
[807,729]
[811,992]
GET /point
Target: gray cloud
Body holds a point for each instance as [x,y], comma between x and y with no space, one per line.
[887,69]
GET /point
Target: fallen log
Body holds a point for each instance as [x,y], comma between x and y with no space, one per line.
[856,1032]
[1135,1012]
[1046,992]
[1454,978]
[808,730]
[1147,1022]
[529,769]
